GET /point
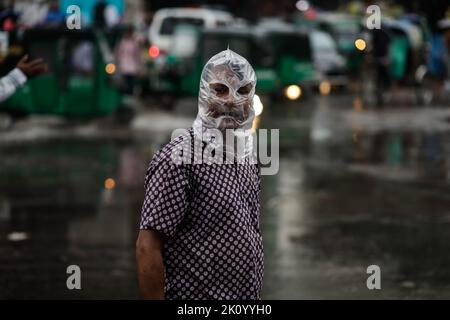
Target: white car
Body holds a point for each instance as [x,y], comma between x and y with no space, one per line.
[161,31]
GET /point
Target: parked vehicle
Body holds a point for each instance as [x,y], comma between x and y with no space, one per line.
[403,63]
[329,63]
[81,80]
[282,59]
[287,50]
[165,21]
[345,29]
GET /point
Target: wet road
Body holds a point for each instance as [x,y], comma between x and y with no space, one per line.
[355,187]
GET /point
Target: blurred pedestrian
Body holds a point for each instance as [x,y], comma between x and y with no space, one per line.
[128,54]
[381,45]
[18,76]
[82,58]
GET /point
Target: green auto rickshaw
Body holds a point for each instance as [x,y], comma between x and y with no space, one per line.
[403,63]
[282,59]
[82,80]
[179,74]
[287,50]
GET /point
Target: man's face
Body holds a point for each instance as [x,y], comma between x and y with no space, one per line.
[229,100]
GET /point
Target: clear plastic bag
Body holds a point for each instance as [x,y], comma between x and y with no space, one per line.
[225,101]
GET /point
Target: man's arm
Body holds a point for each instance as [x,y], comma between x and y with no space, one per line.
[150,264]
[17,77]
[10,82]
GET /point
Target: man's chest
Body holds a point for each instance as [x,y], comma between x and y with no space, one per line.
[225,179]
[225,193]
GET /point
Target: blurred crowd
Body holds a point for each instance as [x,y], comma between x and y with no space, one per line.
[29,14]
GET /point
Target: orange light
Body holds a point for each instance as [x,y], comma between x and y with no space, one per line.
[153,51]
[325,88]
[360,44]
[110,184]
[110,68]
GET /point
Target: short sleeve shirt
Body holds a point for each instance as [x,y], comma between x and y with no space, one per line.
[208,215]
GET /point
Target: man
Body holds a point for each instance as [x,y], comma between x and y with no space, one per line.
[18,76]
[200,234]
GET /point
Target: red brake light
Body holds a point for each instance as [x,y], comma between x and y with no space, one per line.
[153,51]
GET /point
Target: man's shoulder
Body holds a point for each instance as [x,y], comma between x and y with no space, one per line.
[169,150]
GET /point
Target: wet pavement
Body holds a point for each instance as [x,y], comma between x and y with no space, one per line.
[355,188]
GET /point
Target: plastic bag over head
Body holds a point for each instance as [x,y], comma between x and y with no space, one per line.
[227,88]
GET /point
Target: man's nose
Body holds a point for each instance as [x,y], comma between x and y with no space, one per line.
[230,101]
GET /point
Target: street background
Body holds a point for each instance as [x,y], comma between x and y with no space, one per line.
[364,120]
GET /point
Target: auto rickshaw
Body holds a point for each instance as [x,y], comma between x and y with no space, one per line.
[345,30]
[176,73]
[179,74]
[289,52]
[81,81]
[282,59]
[408,52]
[402,64]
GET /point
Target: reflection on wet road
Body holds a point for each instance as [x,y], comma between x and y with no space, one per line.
[355,188]
[74,202]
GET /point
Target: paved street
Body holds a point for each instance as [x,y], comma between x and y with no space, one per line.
[355,187]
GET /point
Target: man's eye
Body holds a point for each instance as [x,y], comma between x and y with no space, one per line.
[245,89]
[220,89]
